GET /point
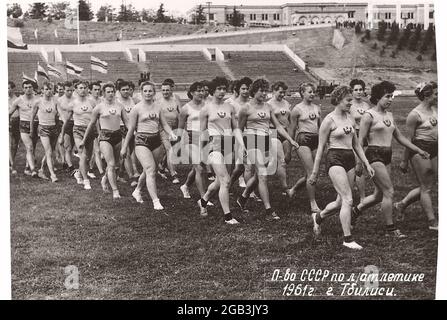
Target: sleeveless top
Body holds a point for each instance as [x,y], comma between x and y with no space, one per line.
[110,115]
[25,107]
[47,112]
[342,132]
[170,110]
[308,120]
[193,120]
[219,119]
[357,111]
[381,130]
[281,109]
[82,112]
[128,105]
[148,118]
[237,105]
[65,105]
[428,129]
[258,119]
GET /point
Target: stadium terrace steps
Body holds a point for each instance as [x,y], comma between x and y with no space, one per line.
[19,62]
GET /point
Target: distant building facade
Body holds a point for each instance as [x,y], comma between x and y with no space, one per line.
[292,14]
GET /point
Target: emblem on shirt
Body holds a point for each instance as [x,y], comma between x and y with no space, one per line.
[347,130]
[433,122]
[262,115]
[312,116]
[29,105]
[128,109]
[170,109]
[112,111]
[152,116]
[387,122]
[84,108]
[361,111]
[222,114]
[49,109]
[283,112]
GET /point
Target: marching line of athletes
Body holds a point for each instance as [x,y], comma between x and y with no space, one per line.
[235,137]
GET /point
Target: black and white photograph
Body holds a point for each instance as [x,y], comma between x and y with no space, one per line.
[222,150]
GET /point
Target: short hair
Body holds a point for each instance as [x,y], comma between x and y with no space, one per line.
[339,93]
[194,87]
[147,83]
[380,89]
[258,84]
[206,83]
[95,83]
[302,87]
[11,84]
[28,82]
[118,81]
[232,86]
[217,82]
[168,82]
[122,84]
[48,84]
[75,81]
[131,84]
[108,85]
[245,80]
[68,84]
[84,82]
[279,84]
[60,84]
[355,82]
[425,89]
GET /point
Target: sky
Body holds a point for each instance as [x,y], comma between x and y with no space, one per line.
[179,7]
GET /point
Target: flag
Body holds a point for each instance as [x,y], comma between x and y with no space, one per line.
[15,39]
[98,65]
[73,69]
[35,33]
[41,71]
[26,78]
[55,33]
[52,71]
[35,76]
[121,35]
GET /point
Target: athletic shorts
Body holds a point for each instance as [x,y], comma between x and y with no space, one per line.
[149,140]
[110,136]
[123,130]
[340,157]
[79,133]
[166,141]
[222,144]
[194,137]
[59,125]
[25,126]
[14,127]
[428,146]
[48,131]
[69,128]
[308,139]
[256,141]
[379,154]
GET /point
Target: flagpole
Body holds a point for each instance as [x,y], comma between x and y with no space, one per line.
[78,26]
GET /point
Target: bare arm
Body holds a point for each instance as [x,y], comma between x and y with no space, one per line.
[95,116]
[294,115]
[406,143]
[14,106]
[281,130]
[33,115]
[412,122]
[131,126]
[323,136]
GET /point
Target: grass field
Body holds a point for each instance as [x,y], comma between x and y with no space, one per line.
[124,250]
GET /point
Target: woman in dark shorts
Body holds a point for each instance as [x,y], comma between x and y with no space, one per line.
[146,119]
[377,126]
[14,129]
[358,108]
[337,130]
[422,124]
[109,112]
[305,117]
[217,117]
[46,111]
[257,117]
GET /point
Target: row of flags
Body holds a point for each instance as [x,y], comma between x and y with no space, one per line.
[95,64]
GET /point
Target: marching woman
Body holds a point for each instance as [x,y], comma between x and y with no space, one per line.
[81,112]
[24,104]
[358,108]
[305,117]
[190,116]
[377,126]
[109,112]
[46,111]
[218,117]
[281,147]
[337,130]
[14,129]
[145,119]
[256,117]
[422,124]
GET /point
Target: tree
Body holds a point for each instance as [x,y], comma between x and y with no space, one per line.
[147,15]
[85,13]
[415,38]
[382,30]
[236,18]
[38,10]
[15,10]
[160,16]
[394,35]
[199,16]
[358,28]
[122,14]
[105,11]
[58,10]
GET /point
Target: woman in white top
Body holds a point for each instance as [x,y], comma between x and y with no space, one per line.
[145,119]
[378,127]
[337,130]
[422,124]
